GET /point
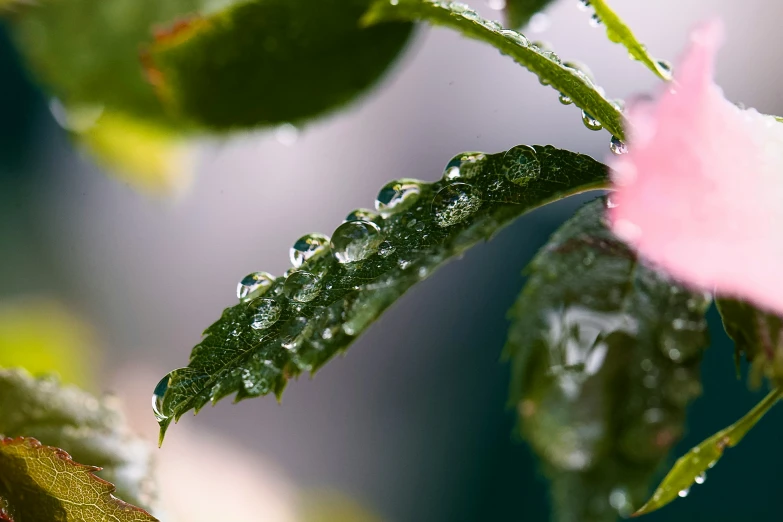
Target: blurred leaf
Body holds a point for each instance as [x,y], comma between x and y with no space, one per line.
[148,157]
[569,80]
[301,322]
[692,467]
[519,12]
[321,506]
[41,336]
[266,62]
[620,33]
[42,483]
[605,357]
[91,430]
[756,334]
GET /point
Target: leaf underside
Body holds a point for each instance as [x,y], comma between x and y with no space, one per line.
[605,357]
[485,193]
[692,467]
[89,429]
[42,483]
[569,81]
[620,33]
[266,62]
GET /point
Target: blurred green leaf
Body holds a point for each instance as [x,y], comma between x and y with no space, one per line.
[302,321]
[266,62]
[692,467]
[620,33]
[41,336]
[519,12]
[42,483]
[605,357]
[758,335]
[572,83]
[91,430]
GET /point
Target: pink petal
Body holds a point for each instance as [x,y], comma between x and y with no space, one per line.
[700,192]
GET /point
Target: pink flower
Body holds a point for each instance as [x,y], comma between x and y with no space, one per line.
[700,191]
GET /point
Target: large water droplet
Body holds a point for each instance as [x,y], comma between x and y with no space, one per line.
[520,164]
[159,394]
[465,165]
[397,195]
[292,333]
[254,285]
[362,214]
[454,203]
[307,247]
[356,240]
[590,122]
[75,118]
[267,313]
[565,100]
[302,287]
[617,146]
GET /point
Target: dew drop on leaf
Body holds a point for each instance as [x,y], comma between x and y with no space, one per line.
[590,122]
[267,313]
[517,38]
[356,240]
[302,286]
[701,478]
[684,492]
[617,146]
[397,195]
[292,332]
[159,394]
[253,285]
[595,20]
[565,100]
[307,247]
[465,165]
[385,249]
[362,214]
[454,203]
[521,164]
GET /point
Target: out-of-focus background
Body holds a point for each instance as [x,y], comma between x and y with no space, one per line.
[412,424]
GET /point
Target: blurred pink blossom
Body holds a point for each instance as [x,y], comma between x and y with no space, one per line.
[700,190]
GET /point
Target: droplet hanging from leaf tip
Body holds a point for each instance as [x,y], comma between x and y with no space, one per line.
[590,122]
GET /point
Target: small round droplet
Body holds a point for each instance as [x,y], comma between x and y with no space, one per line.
[684,492]
[590,122]
[302,287]
[583,5]
[565,100]
[253,285]
[664,67]
[465,165]
[307,247]
[617,147]
[385,249]
[356,240]
[595,20]
[516,37]
[454,203]
[521,164]
[397,195]
[701,478]
[158,396]
[267,313]
[362,214]
[286,134]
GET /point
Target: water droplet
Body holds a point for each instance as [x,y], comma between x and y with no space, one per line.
[356,240]
[701,478]
[581,70]
[684,492]
[493,25]
[590,122]
[565,100]
[620,500]
[520,164]
[267,313]
[302,287]
[385,249]
[397,195]
[286,134]
[159,394]
[254,285]
[665,68]
[465,165]
[617,147]
[458,7]
[76,118]
[539,22]
[292,333]
[516,37]
[454,203]
[362,214]
[595,20]
[307,247]
[583,5]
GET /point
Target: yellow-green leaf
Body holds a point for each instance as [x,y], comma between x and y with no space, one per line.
[692,467]
[41,483]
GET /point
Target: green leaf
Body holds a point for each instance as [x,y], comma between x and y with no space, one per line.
[568,79]
[91,430]
[519,12]
[756,334]
[266,62]
[303,321]
[40,483]
[605,357]
[620,33]
[692,467]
